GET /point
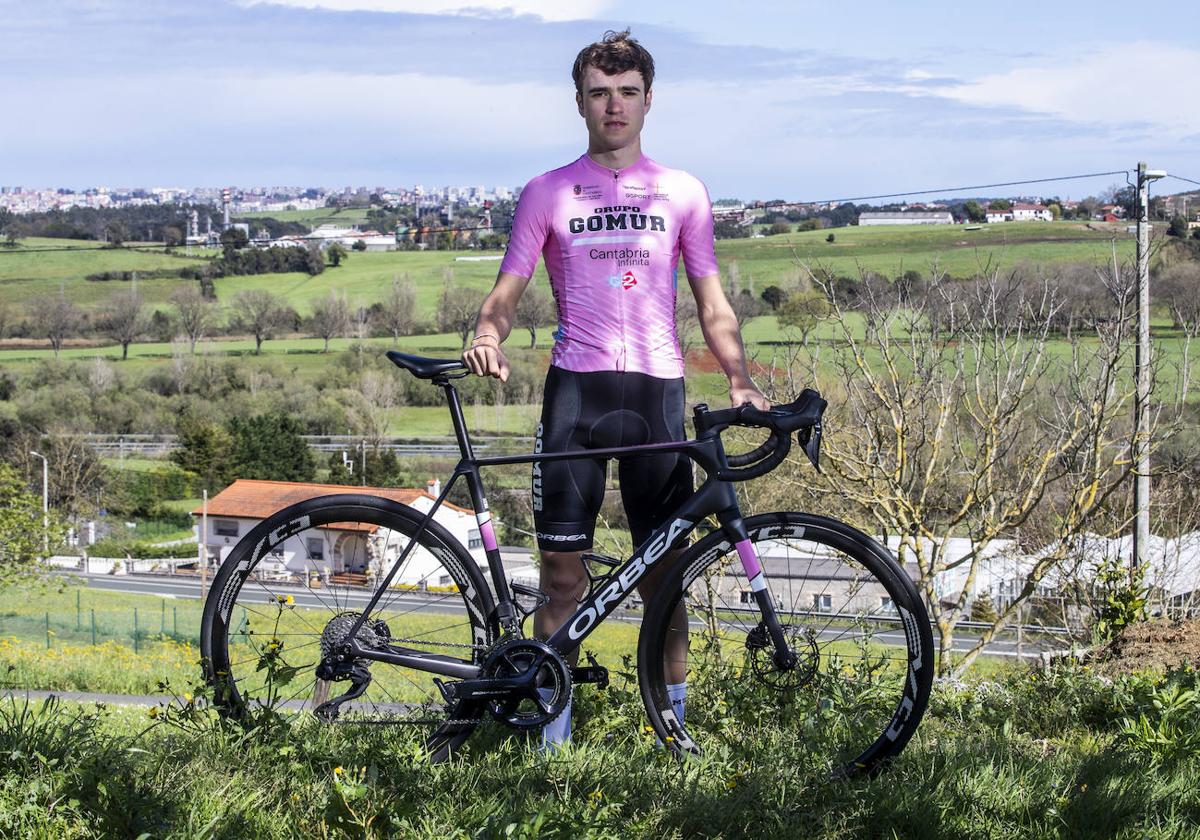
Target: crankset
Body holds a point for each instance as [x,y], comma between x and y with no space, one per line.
[524,682]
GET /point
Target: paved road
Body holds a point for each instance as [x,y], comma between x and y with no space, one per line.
[345,598]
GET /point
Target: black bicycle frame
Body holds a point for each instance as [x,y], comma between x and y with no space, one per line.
[713,497]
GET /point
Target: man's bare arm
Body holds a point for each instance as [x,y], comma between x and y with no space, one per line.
[724,339]
[484,357]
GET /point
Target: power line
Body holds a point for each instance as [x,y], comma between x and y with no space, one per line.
[1181,178]
[964,189]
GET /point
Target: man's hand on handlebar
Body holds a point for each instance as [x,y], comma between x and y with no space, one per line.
[741,394]
[485,358]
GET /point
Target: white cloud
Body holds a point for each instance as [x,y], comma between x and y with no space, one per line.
[1137,85]
[545,9]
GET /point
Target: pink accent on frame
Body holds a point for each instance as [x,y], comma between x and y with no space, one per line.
[750,562]
[489,536]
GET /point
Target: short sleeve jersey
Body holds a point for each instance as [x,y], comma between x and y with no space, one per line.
[611,240]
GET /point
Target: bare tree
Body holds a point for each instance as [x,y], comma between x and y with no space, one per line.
[197,313]
[260,313]
[687,320]
[330,317]
[398,311]
[123,319]
[535,309]
[5,319]
[1179,288]
[458,307]
[979,426]
[55,318]
[379,393]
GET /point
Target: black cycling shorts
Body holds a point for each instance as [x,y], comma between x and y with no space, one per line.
[602,409]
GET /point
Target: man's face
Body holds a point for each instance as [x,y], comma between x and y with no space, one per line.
[614,107]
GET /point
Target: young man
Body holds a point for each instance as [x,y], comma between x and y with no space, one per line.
[611,227]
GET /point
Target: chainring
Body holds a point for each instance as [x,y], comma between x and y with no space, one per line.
[549,691]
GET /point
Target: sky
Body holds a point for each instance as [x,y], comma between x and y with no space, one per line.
[797,100]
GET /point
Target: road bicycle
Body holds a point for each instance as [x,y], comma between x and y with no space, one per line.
[799,627]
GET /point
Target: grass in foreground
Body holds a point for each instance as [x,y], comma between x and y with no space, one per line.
[1028,755]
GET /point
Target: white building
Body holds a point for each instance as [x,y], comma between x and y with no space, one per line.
[905,218]
[994,216]
[342,548]
[1031,213]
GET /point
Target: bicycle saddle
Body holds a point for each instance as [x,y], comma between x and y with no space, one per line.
[423,367]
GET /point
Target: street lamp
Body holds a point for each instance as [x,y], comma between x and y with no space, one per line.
[1141,363]
[45,502]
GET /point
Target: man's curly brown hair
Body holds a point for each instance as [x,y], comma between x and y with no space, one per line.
[615,53]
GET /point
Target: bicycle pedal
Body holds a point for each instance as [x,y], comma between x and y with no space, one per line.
[593,672]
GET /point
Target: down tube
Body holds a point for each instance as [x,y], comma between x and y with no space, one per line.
[712,496]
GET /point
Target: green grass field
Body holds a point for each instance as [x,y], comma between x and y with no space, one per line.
[313,218]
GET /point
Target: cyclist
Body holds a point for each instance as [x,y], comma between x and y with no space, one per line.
[611,227]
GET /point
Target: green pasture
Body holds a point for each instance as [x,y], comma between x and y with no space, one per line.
[949,248]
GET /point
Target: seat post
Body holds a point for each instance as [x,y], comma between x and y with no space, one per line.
[456,416]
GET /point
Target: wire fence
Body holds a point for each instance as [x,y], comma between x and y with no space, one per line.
[87,624]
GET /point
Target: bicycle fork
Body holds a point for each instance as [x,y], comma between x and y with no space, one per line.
[784,657]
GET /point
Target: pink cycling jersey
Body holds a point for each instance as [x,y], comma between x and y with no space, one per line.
[612,240]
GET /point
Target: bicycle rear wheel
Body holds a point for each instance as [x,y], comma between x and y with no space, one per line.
[863,645]
[292,589]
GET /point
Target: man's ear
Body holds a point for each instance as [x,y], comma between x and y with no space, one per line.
[649,96]
[579,102]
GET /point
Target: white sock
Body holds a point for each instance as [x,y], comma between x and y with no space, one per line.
[677,693]
[557,731]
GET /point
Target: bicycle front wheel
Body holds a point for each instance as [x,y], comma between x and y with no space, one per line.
[862,663]
[292,590]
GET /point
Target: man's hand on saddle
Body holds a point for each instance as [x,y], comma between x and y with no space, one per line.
[742,393]
[485,358]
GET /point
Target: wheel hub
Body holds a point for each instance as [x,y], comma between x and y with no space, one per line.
[335,639]
[801,660]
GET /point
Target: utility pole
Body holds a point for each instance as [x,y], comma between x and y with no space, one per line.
[1141,404]
[203,559]
[45,503]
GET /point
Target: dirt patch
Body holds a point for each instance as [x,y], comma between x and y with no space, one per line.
[1157,645]
[703,361]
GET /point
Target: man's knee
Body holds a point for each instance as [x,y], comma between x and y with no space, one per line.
[561,574]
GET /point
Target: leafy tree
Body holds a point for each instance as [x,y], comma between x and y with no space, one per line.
[1178,227]
[779,227]
[398,311]
[269,447]
[260,313]
[197,314]
[1000,204]
[729,229]
[802,311]
[22,536]
[115,233]
[359,245]
[983,609]
[831,237]
[773,296]
[205,449]
[330,318]
[1056,210]
[234,239]
[974,211]
[123,320]
[335,253]
[55,318]
[534,309]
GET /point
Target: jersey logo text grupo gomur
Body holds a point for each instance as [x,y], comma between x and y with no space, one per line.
[616,218]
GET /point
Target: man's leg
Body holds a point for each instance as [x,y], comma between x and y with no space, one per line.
[676,649]
[562,577]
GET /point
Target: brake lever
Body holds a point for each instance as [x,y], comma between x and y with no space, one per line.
[809,438]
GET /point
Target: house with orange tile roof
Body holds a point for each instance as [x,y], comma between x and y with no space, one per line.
[340,548]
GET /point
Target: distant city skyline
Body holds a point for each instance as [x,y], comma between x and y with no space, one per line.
[798,100]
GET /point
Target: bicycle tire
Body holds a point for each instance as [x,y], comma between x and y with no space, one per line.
[854,701]
[453,615]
